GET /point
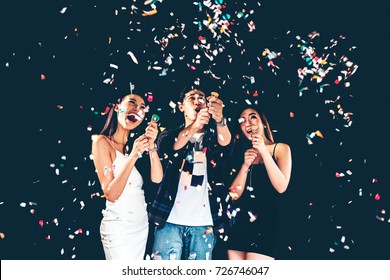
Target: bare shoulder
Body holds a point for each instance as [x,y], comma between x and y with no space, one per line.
[99,141]
[282,149]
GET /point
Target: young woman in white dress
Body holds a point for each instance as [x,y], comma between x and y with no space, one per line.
[124,226]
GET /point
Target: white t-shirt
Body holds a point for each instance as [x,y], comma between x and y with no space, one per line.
[192,206]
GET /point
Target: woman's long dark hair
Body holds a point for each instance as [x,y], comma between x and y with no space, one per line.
[111,123]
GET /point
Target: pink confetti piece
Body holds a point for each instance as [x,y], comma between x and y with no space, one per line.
[252,216]
[106,110]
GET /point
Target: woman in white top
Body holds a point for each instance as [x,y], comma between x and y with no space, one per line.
[124,227]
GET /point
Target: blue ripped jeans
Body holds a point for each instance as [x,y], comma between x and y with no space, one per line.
[176,242]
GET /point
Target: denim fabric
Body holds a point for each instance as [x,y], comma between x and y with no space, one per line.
[177,242]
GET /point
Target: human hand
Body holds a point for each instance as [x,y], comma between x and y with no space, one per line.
[215,108]
[258,142]
[249,157]
[202,118]
[151,133]
[140,145]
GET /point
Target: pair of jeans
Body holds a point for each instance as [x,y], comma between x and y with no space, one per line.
[177,242]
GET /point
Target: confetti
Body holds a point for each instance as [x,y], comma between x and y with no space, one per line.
[211,45]
[215,94]
[149,13]
[131,54]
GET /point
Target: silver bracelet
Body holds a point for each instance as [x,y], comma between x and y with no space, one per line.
[153,150]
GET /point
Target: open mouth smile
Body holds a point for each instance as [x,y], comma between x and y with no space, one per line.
[133,117]
[253,129]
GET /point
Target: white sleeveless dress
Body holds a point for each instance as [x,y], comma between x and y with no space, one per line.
[124,227]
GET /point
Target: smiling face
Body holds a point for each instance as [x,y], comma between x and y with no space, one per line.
[250,123]
[131,111]
[193,101]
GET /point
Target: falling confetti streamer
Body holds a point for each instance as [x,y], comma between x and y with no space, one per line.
[231,50]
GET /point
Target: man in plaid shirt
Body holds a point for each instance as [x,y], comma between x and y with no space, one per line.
[191,205]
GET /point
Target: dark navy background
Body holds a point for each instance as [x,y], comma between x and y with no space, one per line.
[318,209]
